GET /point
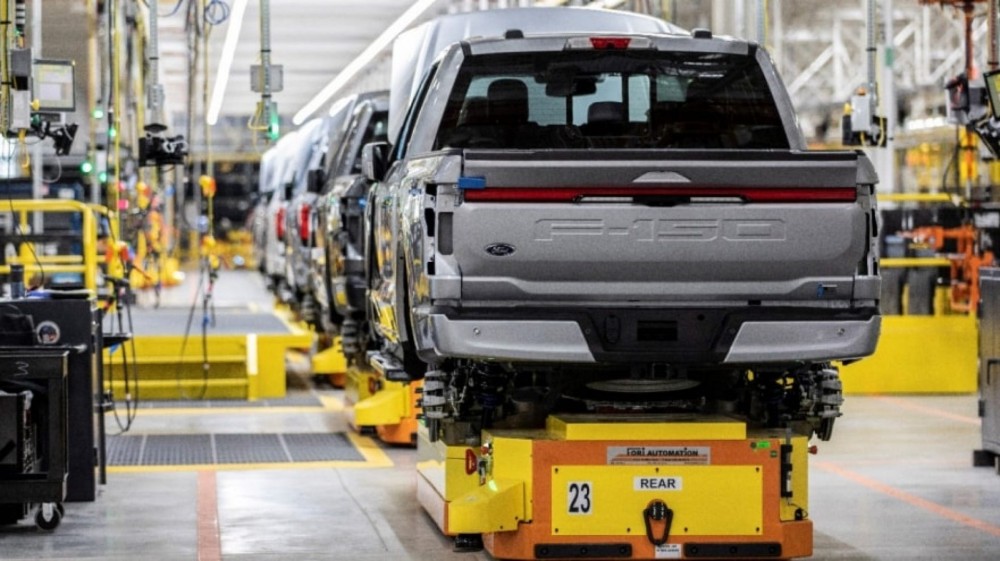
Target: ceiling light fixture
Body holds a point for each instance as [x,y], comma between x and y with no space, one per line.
[366,57]
[226,61]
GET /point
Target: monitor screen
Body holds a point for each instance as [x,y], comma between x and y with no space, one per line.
[54,86]
[992,79]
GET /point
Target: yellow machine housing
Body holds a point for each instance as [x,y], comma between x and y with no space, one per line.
[331,362]
[591,486]
[390,408]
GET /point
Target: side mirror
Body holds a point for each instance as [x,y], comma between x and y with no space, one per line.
[375,160]
[316,179]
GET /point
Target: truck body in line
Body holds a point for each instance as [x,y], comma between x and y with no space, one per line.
[617,221]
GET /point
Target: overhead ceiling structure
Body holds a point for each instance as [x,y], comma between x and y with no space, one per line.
[313,40]
[817,45]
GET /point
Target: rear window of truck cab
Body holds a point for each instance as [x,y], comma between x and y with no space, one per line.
[611,99]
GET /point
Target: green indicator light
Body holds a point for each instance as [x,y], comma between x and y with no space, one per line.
[86,167]
[764,444]
[98,113]
[102,177]
[273,123]
[112,132]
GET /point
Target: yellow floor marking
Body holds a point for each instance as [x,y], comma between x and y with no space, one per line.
[171,411]
[327,403]
[331,403]
[374,456]
[336,464]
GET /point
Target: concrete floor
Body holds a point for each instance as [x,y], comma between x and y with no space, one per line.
[895,482]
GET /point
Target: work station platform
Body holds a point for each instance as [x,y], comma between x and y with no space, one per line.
[234,349]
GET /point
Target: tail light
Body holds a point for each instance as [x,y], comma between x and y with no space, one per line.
[279,223]
[305,225]
[577,194]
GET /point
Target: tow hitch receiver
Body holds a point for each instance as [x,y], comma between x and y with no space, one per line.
[658,512]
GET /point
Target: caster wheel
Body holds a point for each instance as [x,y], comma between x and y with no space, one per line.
[466,543]
[48,516]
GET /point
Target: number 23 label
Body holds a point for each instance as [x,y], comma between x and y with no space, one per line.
[579,497]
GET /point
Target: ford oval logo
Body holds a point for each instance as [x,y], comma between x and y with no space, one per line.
[500,249]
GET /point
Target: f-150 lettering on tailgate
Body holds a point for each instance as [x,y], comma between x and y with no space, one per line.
[648,230]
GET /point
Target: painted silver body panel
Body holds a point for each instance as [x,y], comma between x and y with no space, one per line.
[708,252]
[535,341]
[320,139]
[718,255]
[338,260]
[274,248]
[765,342]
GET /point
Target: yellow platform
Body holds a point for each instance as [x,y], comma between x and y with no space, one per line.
[918,354]
[742,494]
[245,353]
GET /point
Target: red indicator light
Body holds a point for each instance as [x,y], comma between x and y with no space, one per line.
[279,223]
[610,42]
[305,225]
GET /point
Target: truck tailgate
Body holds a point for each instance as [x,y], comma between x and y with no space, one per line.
[660,226]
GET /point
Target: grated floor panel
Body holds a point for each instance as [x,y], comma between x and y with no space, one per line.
[209,449]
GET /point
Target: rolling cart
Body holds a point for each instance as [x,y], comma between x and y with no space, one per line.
[34,453]
[989,368]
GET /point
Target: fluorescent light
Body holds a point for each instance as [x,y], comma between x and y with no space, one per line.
[604,4]
[365,58]
[226,61]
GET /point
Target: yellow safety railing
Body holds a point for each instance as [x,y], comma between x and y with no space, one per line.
[34,261]
[901,262]
[920,198]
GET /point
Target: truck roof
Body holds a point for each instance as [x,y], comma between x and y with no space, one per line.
[582,41]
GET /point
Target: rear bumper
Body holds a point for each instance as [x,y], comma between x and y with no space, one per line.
[682,336]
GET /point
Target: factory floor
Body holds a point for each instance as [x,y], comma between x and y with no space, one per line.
[896,482]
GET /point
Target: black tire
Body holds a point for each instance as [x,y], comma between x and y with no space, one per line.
[48,523]
[415,367]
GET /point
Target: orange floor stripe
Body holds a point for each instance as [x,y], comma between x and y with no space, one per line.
[209,543]
[912,500]
[903,404]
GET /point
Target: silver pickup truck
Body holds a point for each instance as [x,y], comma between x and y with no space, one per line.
[588,222]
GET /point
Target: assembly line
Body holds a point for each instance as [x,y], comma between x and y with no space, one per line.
[524,280]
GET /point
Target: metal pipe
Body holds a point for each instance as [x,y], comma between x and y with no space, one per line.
[153,88]
[761,22]
[968,8]
[992,63]
[37,169]
[887,175]
[778,35]
[870,49]
[265,58]
[94,70]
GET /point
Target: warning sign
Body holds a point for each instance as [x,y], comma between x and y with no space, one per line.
[659,455]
